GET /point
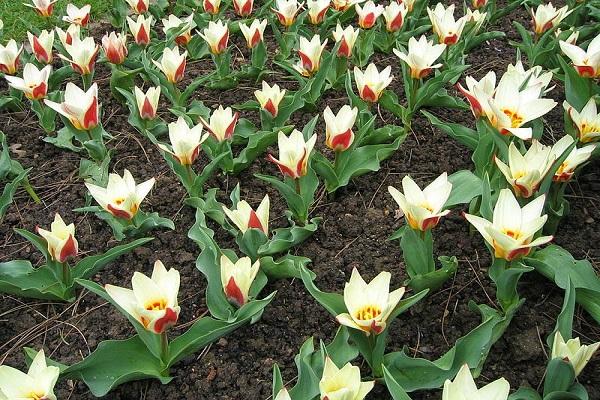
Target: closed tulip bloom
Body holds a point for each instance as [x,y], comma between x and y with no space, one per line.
[475,17]
[83,55]
[368,14]
[269,97]
[463,387]
[37,383]
[339,127]
[221,123]
[115,47]
[587,121]
[81,108]
[42,7]
[573,351]
[254,32]
[343,383]
[347,37]
[576,157]
[153,300]
[217,36]
[211,6]
[147,103]
[66,37]
[139,6]
[176,24]
[78,16]
[60,239]
[317,10]
[41,46]
[394,15]
[172,64]
[243,8]
[446,28]
[9,57]
[244,217]
[479,92]
[478,3]
[369,304]
[140,29]
[185,141]
[421,56]
[586,62]
[512,229]
[546,16]
[571,39]
[122,196]
[34,83]
[237,278]
[371,83]
[310,55]
[423,208]
[294,153]
[286,11]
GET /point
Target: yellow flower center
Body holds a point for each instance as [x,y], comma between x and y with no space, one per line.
[36,396]
[516,119]
[156,305]
[368,312]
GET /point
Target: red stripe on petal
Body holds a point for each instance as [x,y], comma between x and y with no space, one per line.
[147,111]
[90,120]
[39,92]
[307,63]
[342,141]
[246,9]
[141,7]
[168,320]
[301,166]
[233,293]
[180,71]
[256,38]
[270,107]
[368,21]
[254,222]
[118,212]
[452,39]
[85,20]
[231,127]
[68,250]
[424,72]
[523,251]
[40,53]
[396,23]
[475,105]
[344,49]
[209,8]
[4,68]
[368,94]
[585,71]
[375,328]
[429,223]
[284,169]
[223,43]
[195,154]
[142,38]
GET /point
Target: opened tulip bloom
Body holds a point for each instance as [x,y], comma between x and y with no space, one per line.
[9,57]
[81,108]
[512,229]
[546,16]
[369,304]
[463,388]
[573,351]
[534,77]
[172,64]
[269,97]
[586,62]
[34,83]
[237,278]
[445,27]
[253,33]
[317,10]
[37,384]
[122,196]
[83,55]
[368,14]
[60,239]
[66,37]
[244,217]
[211,6]
[339,127]
[576,157]
[176,24]
[147,103]
[140,29]
[310,55]
[185,141]
[153,300]
[394,15]
[78,16]
[286,11]
[115,47]
[371,83]
[243,8]
[41,46]
[294,153]
[347,37]
[587,121]
[217,36]
[221,123]
[42,7]
[478,93]
[343,383]
[421,56]
[139,6]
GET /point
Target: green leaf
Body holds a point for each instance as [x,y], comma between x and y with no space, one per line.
[465,187]
[397,392]
[435,279]
[332,302]
[578,90]
[417,252]
[38,241]
[525,393]
[18,277]
[288,266]
[466,136]
[284,239]
[560,375]
[564,321]
[9,191]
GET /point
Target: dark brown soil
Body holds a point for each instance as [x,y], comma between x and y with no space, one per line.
[356,224]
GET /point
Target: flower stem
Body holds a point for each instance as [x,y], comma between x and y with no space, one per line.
[164,348]
[66,274]
[297,181]
[30,190]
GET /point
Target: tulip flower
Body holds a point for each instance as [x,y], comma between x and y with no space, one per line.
[587,121]
[172,64]
[343,5]
[140,29]
[244,217]
[283,395]
[476,17]
[369,304]
[237,278]
[243,8]
[533,77]
[83,55]
[463,387]
[42,7]
[269,97]
[572,39]
[139,6]
[41,46]
[9,57]
[576,157]
[122,196]
[79,107]
[221,123]
[294,153]
[254,32]
[525,172]
[286,11]
[115,47]
[60,239]
[187,24]
[423,208]
[573,351]
[478,93]
[394,15]
[34,83]
[546,16]
[185,141]
[478,3]
[310,55]
[338,127]
[445,27]
[343,383]
[512,229]
[421,56]
[371,83]
[153,301]
[348,37]
[37,383]
[66,37]
[78,16]
[217,36]
[211,6]
[367,15]
[586,63]
[147,103]
[317,10]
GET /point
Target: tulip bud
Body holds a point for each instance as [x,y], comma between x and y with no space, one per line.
[463,387]
[343,5]
[478,3]
[286,11]
[176,24]
[338,127]
[81,108]
[310,55]
[78,16]
[237,278]
[34,83]
[172,64]
[66,38]
[348,37]
[217,36]
[573,351]
[9,57]
[83,55]
[421,55]
[115,47]
[294,153]
[394,15]
[270,97]
[60,239]
[185,141]
[410,4]
[139,6]
[371,83]
[41,46]
[317,10]
[447,29]
[546,16]
[42,7]
[576,157]
[367,15]
[211,6]
[587,121]
[253,33]
[244,217]
[140,29]
[243,8]
[585,62]
[39,380]
[346,381]
[147,103]
[222,123]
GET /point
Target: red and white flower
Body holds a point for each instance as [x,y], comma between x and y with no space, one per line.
[394,15]
[586,62]
[446,28]
[140,29]
[185,141]
[221,123]
[269,97]
[254,32]
[60,239]
[477,4]
[244,217]
[79,107]
[421,56]
[343,5]
[286,11]
[338,127]
[42,7]
[217,36]
[587,121]
[371,83]
[115,47]
[147,103]
[66,37]
[139,6]
[546,16]
[41,46]
[78,16]
[310,55]
[211,6]
[478,93]
[237,278]
[172,64]
[317,10]
[347,37]
[368,14]
[576,157]
[9,57]
[187,24]
[34,83]
[83,55]
[243,8]
[294,153]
